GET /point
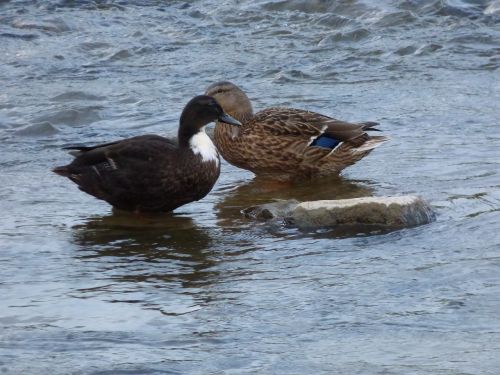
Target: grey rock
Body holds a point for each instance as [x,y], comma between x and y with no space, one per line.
[367,214]
[380,212]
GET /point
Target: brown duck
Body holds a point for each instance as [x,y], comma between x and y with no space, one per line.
[285,143]
[150,173]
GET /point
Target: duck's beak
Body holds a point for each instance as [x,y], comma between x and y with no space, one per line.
[228,120]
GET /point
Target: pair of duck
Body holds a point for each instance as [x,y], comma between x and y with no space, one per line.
[150,173]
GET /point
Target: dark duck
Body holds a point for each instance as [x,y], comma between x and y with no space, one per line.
[150,173]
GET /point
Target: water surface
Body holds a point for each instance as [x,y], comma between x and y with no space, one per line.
[207,291]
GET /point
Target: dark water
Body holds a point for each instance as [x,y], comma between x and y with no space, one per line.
[206,291]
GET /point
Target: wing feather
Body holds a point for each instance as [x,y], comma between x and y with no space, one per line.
[289,122]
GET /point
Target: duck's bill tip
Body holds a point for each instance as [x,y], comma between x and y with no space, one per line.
[229,120]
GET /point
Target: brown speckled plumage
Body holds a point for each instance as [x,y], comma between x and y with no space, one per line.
[276,142]
[150,173]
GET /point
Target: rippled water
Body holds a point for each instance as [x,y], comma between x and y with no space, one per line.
[207,291]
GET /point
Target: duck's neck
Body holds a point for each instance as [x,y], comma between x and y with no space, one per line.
[242,114]
[201,144]
[189,126]
[241,110]
[192,136]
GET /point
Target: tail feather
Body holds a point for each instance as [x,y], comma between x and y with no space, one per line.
[75,147]
[62,171]
[370,126]
[371,143]
[76,150]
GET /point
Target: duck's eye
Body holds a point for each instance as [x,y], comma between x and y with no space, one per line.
[220,91]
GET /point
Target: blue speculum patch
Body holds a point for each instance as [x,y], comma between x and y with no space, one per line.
[325,141]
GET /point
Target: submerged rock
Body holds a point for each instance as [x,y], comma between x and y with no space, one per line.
[274,210]
[364,214]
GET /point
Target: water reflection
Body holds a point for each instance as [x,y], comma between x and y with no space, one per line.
[136,256]
[258,191]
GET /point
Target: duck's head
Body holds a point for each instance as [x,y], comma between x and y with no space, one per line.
[199,112]
[232,99]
